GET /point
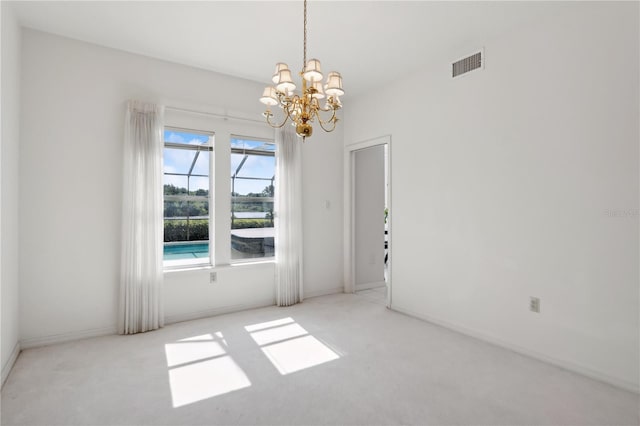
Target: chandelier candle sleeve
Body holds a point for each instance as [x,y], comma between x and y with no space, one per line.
[279,67]
[319,94]
[312,71]
[303,108]
[334,84]
[269,96]
[285,82]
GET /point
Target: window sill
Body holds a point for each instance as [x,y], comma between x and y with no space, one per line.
[236,265]
[187,268]
[254,261]
[247,264]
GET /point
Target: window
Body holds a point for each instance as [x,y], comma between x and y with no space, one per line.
[187,193]
[252,190]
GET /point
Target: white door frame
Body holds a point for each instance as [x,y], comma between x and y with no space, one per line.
[349,229]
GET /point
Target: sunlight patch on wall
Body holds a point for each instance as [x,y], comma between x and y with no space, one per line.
[289,346]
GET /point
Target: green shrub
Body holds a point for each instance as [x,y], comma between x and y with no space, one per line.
[176,230]
[251,223]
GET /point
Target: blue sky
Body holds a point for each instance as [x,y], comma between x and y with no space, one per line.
[179,161]
[255,166]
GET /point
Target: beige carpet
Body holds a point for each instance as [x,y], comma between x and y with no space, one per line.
[341,359]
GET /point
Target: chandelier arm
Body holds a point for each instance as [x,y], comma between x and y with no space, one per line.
[295,99]
[278,126]
[313,106]
[333,120]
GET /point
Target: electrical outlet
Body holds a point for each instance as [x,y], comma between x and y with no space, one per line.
[534,304]
[213,277]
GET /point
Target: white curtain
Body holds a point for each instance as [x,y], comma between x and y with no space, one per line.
[288,218]
[141,306]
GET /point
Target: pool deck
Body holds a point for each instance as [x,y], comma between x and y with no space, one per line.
[253,232]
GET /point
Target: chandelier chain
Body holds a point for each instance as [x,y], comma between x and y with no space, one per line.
[304,60]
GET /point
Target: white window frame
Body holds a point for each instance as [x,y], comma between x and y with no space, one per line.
[272,199]
[191,117]
[197,262]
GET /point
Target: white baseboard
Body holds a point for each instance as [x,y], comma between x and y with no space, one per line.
[6,369]
[66,337]
[323,292]
[567,365]
[367,286]
[172,319]
[106,331]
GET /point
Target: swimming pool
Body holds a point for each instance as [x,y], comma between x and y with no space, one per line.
[187,250]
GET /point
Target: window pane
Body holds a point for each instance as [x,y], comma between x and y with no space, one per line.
[175,185]
[186,197]
[236,159]
[175,210]
[187,138]
[198,230]
[252,192]
[199,186]
[258,166]
[243,144]
[178,160]
[202,164]
[199,209]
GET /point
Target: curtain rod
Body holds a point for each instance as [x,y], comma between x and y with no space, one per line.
[230,117]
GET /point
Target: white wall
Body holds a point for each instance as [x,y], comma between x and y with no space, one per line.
[322,212]
[368,197]
[10,95]
[74,97]
[522,180]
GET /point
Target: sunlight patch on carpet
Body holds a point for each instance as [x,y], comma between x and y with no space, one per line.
[289,346]
[200,368]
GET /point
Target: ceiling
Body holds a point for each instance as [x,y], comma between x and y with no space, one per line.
[369,42]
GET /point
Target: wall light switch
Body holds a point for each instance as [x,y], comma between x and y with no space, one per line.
[213,276]
[534,304]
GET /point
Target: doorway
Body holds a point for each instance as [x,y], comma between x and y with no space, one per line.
[368,220]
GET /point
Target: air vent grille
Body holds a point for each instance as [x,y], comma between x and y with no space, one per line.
[467,64]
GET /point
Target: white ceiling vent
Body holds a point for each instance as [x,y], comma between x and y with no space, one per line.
[467,64]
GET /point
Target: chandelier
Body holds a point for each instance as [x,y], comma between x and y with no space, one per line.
[303,108]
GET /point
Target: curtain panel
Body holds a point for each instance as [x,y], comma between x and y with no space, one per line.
[140,304]
[288,218]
